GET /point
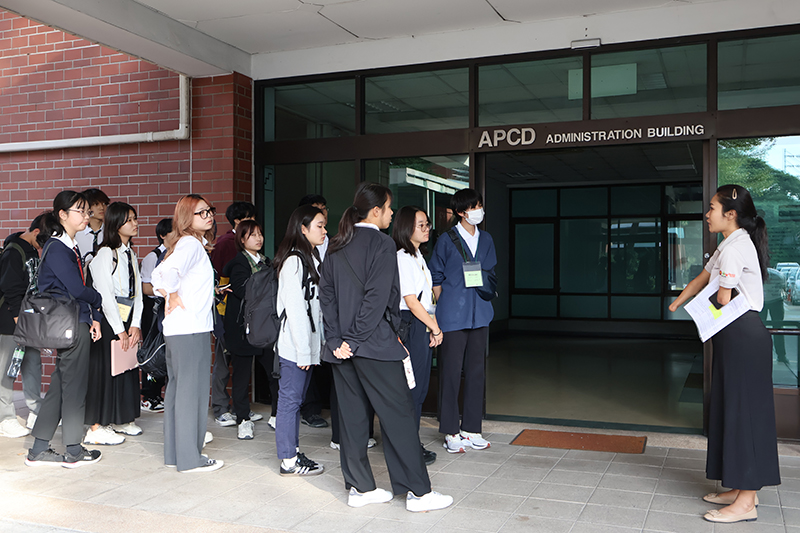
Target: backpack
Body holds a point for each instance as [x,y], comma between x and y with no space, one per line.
[262,323]
[17,247]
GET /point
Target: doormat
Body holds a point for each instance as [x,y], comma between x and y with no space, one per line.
[581,441]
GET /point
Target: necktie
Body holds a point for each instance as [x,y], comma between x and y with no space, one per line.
[80,262]
[131,276]
[95,235]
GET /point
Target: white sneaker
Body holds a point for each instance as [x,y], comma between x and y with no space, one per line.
[335,445]
[428,502]
[207,438]
[454,443]
[255,417]
[31,420]
[128,429]
[475,440]
[272,422]
[103,435]
[245,431]
[11,428]
[360,499]
[371,443]
[210,466]
[226,420]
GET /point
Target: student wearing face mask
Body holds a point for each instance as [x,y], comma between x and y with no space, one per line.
[464,318]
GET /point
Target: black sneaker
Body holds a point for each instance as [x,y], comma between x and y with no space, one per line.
[314,421]
[429,456]
[301,458]
[302,467]
[49,457]
[85,457]
[153,405]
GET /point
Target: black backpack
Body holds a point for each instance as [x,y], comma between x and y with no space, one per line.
[14,246]
[262,323]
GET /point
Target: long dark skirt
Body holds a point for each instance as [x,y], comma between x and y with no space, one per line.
[742,441]
[110,400]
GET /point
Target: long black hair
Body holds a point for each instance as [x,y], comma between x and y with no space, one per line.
[368,195]
[116,217]
[737,198]
[51,222]
[405,224]
[295,240]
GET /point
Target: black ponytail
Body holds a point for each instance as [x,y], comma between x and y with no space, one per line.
[368,196]
[737,198]
[51,220]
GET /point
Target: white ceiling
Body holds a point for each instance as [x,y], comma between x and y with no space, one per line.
[279,38]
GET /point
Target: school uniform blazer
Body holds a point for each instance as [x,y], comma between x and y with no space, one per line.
[60,273]
[460,307]
[357,315]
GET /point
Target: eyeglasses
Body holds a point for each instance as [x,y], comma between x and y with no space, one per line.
[424,226]
[83,212]
[206,213]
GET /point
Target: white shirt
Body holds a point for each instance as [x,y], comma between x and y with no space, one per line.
[110,285]
[736,264]
[85,240]
[296,341]
[323,248]
[415,278]
[68,241]
[367,225]
[471,240]
[149,263]
[188,271]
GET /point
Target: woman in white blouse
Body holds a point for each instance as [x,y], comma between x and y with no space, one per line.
[112,402]
[186,279]
[411,233]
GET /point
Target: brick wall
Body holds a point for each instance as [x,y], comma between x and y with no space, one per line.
[55,86]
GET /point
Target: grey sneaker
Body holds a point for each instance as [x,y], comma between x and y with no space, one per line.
[85,457]
[245,431]
[226,420]
[49,457]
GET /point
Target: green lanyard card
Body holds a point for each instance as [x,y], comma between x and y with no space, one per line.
[473,276]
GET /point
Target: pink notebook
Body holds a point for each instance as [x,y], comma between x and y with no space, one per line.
[123,360]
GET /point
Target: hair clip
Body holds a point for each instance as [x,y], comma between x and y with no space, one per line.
[734,193]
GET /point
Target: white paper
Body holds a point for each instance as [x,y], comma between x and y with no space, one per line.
[707,318]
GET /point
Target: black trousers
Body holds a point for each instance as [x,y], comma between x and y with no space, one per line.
[742,442]
[66,397]
[362,382]
[462,350]
[242,368]
[319,390]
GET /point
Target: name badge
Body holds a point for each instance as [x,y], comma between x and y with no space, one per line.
[473,276]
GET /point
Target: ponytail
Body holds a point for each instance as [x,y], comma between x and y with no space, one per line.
[737,198]
[368,196]
[50,225]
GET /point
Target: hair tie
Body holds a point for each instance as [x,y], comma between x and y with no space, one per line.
[734,195]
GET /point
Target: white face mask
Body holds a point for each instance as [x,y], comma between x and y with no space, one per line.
[475,216]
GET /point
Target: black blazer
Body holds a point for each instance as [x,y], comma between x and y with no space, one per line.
[238,270]
[355,314]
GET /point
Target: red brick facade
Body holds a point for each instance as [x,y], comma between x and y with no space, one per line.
[56,86]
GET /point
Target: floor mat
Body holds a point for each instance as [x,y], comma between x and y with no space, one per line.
[581,441]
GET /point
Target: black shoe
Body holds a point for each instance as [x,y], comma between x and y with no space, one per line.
[49,457]
[314,421]
[429,456]
[85,457]
[302,467]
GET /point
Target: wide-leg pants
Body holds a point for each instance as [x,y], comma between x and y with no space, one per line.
[463,349]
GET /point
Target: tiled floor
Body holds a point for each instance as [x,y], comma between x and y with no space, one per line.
[504,489]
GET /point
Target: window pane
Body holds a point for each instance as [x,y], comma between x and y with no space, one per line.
[584,306]
[531,92]
[533,203]
[534,256]
[680,314]
[685,250]
[584,202]
[636,255]
[684,198]
[642,307]
[421,101]
[759,72]
[641,200]
[649,82]
[532,305]
[314,110]
[584,263]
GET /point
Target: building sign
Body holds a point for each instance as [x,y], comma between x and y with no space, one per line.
[571,134]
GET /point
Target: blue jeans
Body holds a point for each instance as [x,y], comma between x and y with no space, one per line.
[292,391]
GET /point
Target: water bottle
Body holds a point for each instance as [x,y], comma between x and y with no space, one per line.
[16,362]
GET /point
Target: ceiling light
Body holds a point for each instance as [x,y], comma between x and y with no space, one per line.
[585,43]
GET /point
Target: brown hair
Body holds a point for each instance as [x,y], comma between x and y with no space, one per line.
[182,223]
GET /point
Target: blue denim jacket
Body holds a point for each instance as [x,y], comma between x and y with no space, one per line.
[459,307]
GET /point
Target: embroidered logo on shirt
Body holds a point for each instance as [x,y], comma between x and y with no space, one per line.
[727,274]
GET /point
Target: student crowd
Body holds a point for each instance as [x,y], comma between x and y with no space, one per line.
[344,306]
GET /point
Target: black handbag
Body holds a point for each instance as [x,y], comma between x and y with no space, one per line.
[487,291]
[152,354]
[47,320]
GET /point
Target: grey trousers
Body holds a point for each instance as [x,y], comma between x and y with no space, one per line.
[66,398]
[186,399]
[31,378]
[221,373]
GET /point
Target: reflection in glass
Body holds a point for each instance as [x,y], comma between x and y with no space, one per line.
[534,256]
[660,81]
[584,259]
[682,199]
[685,252]
[636,200]
[636,255]
[420,101]
[761,72]
[313,110]
[533,203]
[550,90]
[584,202]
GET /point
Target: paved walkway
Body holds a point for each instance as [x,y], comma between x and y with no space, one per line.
[504,489]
